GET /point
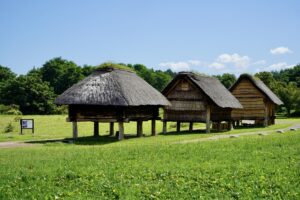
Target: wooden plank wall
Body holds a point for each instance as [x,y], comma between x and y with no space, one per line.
[252,100]
[188,103]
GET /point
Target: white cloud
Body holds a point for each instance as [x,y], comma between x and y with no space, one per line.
[280,50]
[182,65]
[278,66]
[217,66]
[176,66]
[195,62]
[236,59]
[259,62]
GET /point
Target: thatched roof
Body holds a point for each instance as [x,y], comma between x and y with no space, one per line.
[260,86]
[211,87]
[112,87]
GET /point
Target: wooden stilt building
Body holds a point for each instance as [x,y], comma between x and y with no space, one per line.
[198,98]
[258,101]
[112,95]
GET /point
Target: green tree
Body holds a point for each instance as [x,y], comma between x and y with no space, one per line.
[161,80]
[267,78]
[6,74]
[226,79]
[30,93]
[288,75]
[61,74]
[87,70]
[289,94]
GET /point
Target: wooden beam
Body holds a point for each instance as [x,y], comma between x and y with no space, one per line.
[111,128]
[139,128]
[121,131]
[208,119]
[178,127]
[96,129]
[153,127]
[164,127]
[75,130]
[191,126]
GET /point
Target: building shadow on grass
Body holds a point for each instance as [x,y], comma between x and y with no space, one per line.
[86,140]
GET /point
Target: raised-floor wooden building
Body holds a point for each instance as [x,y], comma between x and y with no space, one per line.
[198,98]
[258,101]
[112,95]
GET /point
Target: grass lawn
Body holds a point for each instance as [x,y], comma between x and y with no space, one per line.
[55,126]
[249,167]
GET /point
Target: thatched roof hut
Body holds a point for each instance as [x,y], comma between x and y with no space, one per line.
[113,95]
[257,99]
[198,98]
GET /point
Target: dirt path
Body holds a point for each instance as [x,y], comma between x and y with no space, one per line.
[14,144]
[235,135]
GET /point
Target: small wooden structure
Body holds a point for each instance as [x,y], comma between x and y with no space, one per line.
[257,99]
[198,98]
[112,95]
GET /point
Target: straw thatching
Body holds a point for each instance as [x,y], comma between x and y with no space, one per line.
[112,87]
[211,87]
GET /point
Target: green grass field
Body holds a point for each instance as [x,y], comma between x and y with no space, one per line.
[55,126]
[248,167]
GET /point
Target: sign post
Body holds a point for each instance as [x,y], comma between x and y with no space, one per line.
[27,124]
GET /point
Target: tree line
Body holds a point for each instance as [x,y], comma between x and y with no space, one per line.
[34,92]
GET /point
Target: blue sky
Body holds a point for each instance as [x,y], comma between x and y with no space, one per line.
[210,36]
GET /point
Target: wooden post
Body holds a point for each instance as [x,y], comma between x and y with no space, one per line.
[219,126]
[178,127]
[230,126]
[164,127]
[208,119]
[266,116]
[75,130]
[139,128]
[111,129]
[153,127]
[191,126]
[96,129]
[121,131]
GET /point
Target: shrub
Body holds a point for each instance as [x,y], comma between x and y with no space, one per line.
[10,110]
[9,128]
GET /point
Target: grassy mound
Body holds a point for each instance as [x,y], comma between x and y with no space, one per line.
[111,66]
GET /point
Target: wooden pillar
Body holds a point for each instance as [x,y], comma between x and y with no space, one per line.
[139,128]
[208,119]
[230,126]
[153,127]
[111,129]
[121,131]
[164,127]
[178,127]
[75,130]
[219,126]
[266,116]
[191,126]
[96,129]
